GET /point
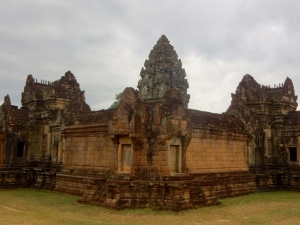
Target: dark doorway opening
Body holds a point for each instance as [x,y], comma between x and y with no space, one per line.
[20,149]
[293,154]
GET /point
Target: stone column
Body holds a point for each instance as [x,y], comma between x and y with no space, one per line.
[1,151]
[30,146]
[49,144]
[46,142]
[63,149]
[120,158]
[268,141]
[60,149]
[180,159]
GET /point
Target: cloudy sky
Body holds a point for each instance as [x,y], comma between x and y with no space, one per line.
[105,44]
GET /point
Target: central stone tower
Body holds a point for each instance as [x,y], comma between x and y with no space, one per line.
[162,71]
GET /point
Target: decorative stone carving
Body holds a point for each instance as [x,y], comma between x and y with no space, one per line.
[162,71]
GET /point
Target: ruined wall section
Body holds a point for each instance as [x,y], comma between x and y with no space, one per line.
[89,147]
[214,153]
[218,144]
[86,151]
[13,123]
[52,105]
[87,144]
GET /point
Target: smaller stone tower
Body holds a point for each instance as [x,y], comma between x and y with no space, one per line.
[163,70]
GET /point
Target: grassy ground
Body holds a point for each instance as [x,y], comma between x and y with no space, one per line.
[29,206]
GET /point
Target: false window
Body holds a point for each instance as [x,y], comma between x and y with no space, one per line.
[175,155]
[293,154]
[174,158]
[125,155]
[20,149]
[126,158]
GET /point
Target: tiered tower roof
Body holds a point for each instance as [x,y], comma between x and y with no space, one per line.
[162,71]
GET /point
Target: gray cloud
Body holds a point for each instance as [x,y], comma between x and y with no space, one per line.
[105,44]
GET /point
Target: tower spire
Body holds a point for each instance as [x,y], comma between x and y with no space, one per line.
[162,71]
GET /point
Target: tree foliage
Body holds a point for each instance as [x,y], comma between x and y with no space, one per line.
[116,103]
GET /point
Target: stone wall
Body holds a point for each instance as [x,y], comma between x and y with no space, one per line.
[165,192]
[216,152]
[87,152]
[89,147]
[36,140]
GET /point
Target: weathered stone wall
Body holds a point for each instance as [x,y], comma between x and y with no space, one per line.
[36,140]
[15,179]
[87,152]
[167,192]
[220,152]
[89,147]
[72,181]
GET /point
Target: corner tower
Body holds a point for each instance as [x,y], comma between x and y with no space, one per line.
[162,71]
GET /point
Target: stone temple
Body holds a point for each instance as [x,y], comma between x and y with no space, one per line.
[152,150]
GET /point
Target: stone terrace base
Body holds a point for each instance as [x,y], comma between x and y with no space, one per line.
[165,193]
[26,177]
[170,192]
[285,178]
[14,178]
[74,180]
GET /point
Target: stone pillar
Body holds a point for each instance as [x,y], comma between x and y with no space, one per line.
[48,144]
[251,152]
[30,146]
[60,149]
[268,141]
[12,151]
[63,149]
[119,158]
[2,151]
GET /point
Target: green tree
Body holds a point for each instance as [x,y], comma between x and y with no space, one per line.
[116,103]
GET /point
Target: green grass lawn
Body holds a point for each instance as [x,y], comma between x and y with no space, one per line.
[30,206]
